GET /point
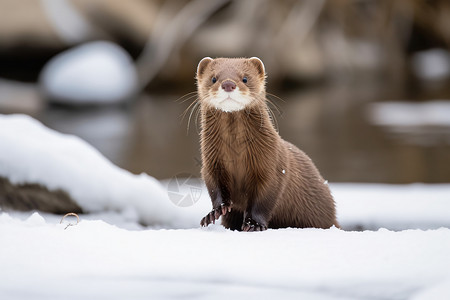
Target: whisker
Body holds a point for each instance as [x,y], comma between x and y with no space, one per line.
[274,105]
[183,115]
[186,97]
[273,118]
[190,115]
[270,111]
[270,102]
[273,95]
[197,114]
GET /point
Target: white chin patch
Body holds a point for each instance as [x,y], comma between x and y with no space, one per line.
[229,102]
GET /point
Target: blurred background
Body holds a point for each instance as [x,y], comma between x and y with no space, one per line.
[362,86]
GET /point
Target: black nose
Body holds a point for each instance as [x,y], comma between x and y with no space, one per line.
[228,85]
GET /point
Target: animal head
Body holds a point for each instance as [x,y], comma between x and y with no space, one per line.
[231,84]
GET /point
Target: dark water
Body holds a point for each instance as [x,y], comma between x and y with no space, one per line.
[330,123]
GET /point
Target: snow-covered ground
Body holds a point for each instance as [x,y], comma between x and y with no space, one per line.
[95,260]
[394,207]
[109,255]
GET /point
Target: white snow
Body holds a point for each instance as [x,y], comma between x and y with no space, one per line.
[423,123]
[433,64]
[440,290]
[43,259]
[406,113]
[95,260]
[95,72]
[396,207]
[32,153]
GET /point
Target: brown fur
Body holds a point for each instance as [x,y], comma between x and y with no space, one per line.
[244,157]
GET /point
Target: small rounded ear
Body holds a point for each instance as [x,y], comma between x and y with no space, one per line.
[202,65]
[258,64]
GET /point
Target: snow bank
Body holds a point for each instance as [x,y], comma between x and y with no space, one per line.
[96,72]
[94,260]
[396,207]
[32,153]
[411,114]
[421,123]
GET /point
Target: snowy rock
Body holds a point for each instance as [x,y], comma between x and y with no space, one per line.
[93,73]
[33,153]
[431,64]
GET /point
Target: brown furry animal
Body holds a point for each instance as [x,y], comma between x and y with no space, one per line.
[256,180]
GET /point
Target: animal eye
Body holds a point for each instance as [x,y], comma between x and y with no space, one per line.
[214,80]
[244,80]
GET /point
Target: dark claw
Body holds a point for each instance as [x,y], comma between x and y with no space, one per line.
[203,222]
[224,210]
[246,227]
[208,219]
[215,214]
[212,218]
[251,225]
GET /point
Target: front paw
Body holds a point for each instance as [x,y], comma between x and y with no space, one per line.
[213,215]
[252,225]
